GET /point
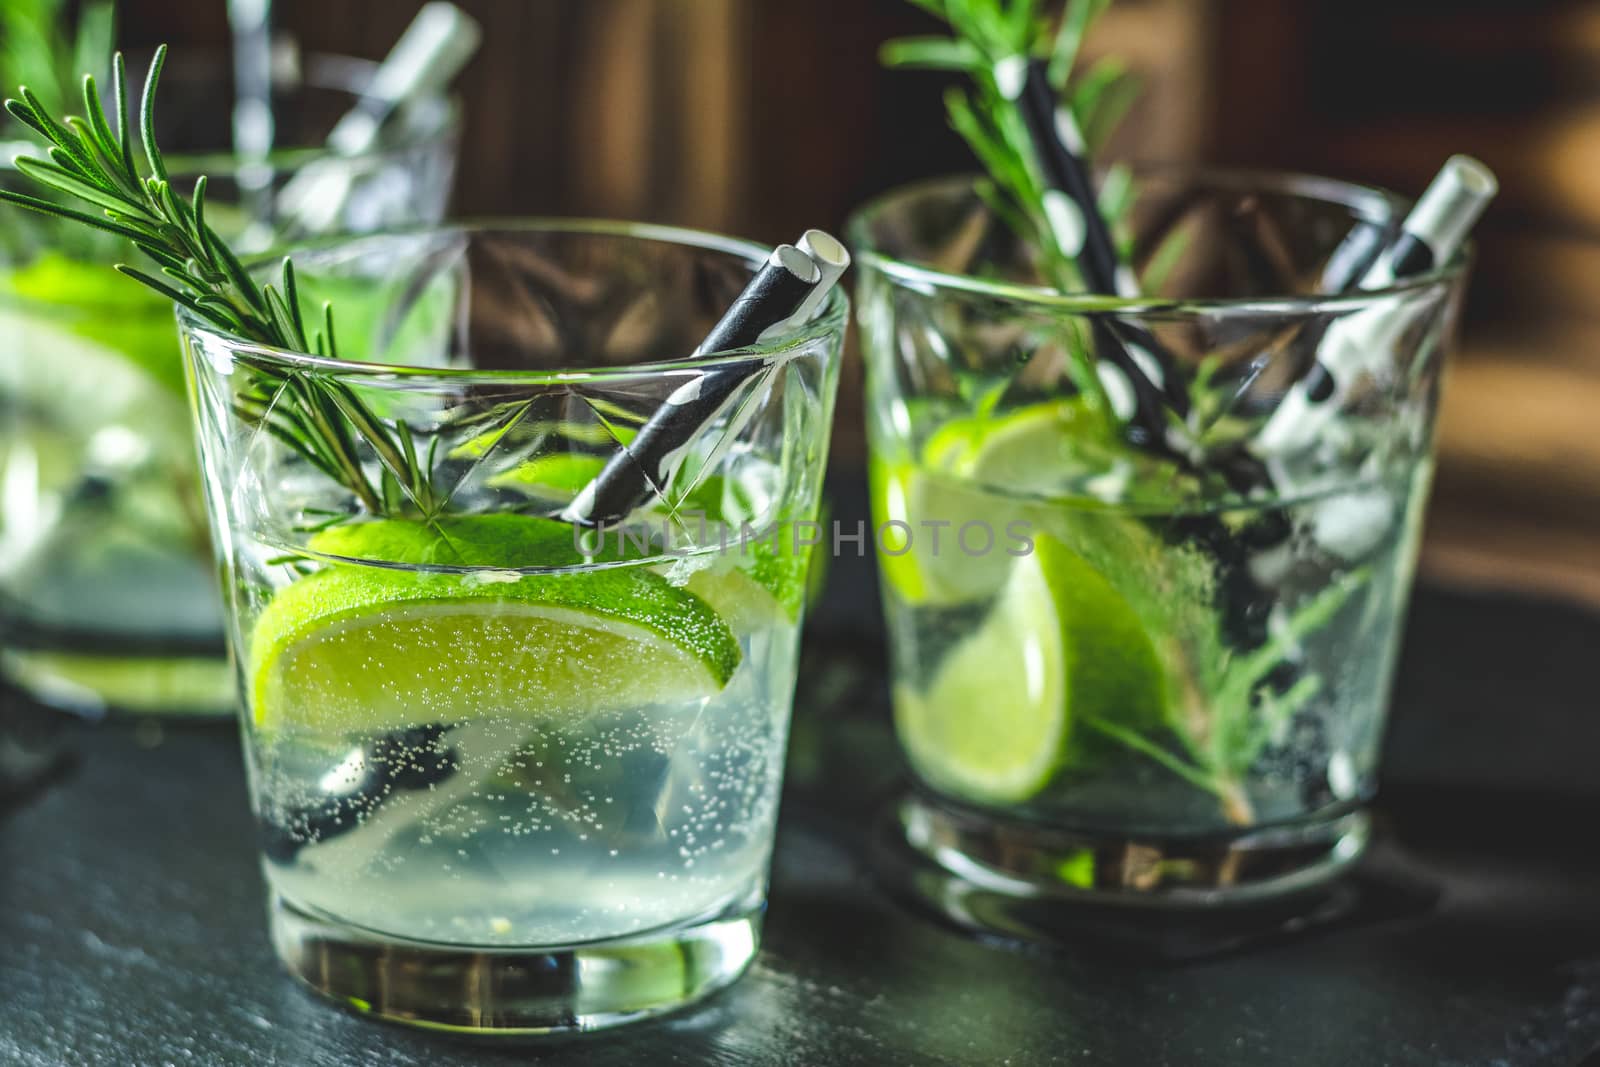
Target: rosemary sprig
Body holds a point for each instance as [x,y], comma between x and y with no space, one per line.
[1223,713]
[988,33]
[92,162]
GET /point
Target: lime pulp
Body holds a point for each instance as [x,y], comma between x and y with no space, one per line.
[1012,704]
[1007,710]
[374,648]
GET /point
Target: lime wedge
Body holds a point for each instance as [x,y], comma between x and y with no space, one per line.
[763,587]
[356,649]
[924,573]
[1005,712]
[980,469]
[503,540]
[755,577]
[1027,450]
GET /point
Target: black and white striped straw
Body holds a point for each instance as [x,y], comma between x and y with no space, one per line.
[785,293]
[1356,254]
[1432,233]
[1072,209]
[1070,202]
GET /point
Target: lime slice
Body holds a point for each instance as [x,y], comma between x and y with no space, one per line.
[760,588]
[1052,450]
[508,541]
[980,469]
[358,649]
[962,455]
[1031,449]
[1005,712]
[743,603]
[921,571]
[755,579]
[349,651]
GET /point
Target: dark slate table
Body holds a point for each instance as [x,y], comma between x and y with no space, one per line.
[131,912]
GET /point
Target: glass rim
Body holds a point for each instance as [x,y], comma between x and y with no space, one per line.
[830,320]
[316,74]
[1351,195]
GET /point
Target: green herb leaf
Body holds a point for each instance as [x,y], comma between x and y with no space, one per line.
[1069,39]
[931,53]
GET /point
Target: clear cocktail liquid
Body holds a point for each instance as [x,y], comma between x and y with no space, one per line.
[1227,668]
[498,825]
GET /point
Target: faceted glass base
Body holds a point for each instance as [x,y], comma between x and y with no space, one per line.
[514,991]
[1017,879]
[93,684]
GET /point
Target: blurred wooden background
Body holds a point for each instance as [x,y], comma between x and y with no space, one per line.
[763,117]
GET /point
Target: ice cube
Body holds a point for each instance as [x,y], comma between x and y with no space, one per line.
[1350,526]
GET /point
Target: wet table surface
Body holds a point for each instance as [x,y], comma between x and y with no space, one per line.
[132,933]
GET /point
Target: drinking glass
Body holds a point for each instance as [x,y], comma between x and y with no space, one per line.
[1141,653]
[511,774]
[108,596]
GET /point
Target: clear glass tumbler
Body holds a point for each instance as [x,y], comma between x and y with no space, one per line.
[1142,644]
[513,774]
[108,596]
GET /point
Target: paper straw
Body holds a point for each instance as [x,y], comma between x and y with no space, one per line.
[784,294]
[1431,234]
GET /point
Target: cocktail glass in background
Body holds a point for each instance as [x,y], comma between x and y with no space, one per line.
[108,595]
[1142,660]
[511,774]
